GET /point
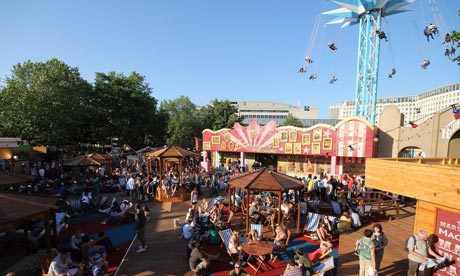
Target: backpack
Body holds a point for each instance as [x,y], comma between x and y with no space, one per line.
[407,243]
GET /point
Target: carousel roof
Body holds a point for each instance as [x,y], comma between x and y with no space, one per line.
[171,151]
[264,179]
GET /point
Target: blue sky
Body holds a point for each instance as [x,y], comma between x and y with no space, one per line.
[239,49]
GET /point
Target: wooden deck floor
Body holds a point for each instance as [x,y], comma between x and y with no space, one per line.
[395,256]
[166,254]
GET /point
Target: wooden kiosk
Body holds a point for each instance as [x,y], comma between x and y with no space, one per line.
[163,160]
[435,183]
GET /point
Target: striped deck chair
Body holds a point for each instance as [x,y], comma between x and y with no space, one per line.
[367,210]
[312,222]
[225,235]
[75,205]
[336,208]
[61,224]
[323,266]
[258,228]
[333,220]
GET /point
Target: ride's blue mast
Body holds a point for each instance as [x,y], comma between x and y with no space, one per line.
[368,14]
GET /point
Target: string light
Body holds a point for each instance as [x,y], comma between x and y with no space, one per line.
[351,148]
[413,125]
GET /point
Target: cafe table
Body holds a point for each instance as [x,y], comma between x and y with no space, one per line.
[257,250]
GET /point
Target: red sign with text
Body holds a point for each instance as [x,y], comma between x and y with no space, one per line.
[448,231]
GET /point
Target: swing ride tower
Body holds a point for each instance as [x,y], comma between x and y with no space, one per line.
[368,14]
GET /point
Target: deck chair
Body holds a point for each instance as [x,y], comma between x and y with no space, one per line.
[258,228]
[61,224]
[225,235]
[367,209]
[103,202]
[336,208]
[75,205]
[312,222]
[323,266]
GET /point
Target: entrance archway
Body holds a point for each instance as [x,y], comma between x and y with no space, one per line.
[454,145]
[411,152]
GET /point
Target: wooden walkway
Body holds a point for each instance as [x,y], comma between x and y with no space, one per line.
[395,256]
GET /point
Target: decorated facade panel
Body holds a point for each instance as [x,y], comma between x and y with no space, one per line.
[353,137]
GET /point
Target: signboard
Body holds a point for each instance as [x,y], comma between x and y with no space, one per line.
[448,231]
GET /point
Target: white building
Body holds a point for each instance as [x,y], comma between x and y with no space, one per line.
[415,108]
[265,111]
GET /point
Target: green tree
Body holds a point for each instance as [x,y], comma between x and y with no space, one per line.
[219,114]
[452,42]
[125,108]
[183,121]
[43,102]
[292,121]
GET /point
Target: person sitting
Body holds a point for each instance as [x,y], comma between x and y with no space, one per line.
[189,230]
[85,202]
[280,238]
[355,220]
[234,246]
[253,235]
[97,259]
[331,46]
[303,262]
[333,80]
[254,213]
[319,254]
[203,208]
[392,73]
[308,60]
[447,39]
[425,63]
[200,260]
[75,243]
[313,77]
[238,270]
[381,35]
[433,29]
[325,229]
[302,70]
[292,269]
[61,265]
[427,32]
[118,215]
[344,223]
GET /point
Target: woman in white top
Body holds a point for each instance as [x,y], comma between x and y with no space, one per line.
[194,197]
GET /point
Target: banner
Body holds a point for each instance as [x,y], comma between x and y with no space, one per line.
[448,231]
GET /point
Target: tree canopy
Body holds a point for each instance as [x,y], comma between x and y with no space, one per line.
[49,103]
[292,121]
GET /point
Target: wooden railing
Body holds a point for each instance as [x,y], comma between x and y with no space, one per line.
[375,201]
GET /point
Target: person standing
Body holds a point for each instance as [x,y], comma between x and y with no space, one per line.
[130,185]
[366,251]
[432,240]
[380,241]
[194,197]
[418,251]
[140,228]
